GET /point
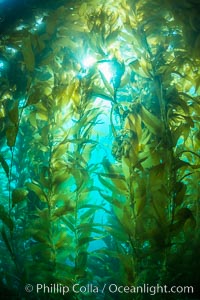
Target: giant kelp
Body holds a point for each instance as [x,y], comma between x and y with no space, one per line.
[56,178]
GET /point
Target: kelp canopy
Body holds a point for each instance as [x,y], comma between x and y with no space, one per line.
[99,137]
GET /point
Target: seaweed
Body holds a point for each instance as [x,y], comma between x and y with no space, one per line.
[99,171]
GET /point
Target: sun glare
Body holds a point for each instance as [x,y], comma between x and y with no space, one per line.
[88,62]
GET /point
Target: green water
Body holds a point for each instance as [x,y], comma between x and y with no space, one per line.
[99,150]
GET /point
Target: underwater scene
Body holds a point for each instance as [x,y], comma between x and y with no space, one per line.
[100,149]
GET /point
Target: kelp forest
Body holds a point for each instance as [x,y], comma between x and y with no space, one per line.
[100,150]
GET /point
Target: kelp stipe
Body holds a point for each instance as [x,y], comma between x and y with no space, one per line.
[130,68]
[153,148]
[52,179]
